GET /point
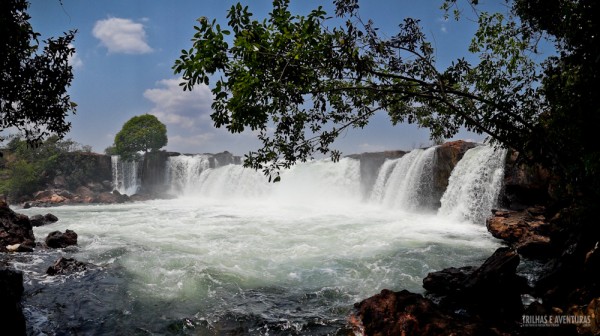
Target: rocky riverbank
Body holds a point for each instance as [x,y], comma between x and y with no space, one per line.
[563,298]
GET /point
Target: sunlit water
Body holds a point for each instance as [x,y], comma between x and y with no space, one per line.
[210,266]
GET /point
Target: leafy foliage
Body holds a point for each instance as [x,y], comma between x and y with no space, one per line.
[140,133]
[299,81]
[33,83]
[28,169]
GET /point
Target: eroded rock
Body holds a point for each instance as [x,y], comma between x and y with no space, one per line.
[57,239]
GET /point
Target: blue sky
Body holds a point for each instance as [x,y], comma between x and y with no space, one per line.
[125,51]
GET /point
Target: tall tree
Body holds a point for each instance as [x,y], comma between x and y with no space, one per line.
[312,80]
[33,82]
[140,133]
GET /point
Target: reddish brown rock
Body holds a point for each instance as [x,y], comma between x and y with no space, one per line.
[526,230]
[408,314]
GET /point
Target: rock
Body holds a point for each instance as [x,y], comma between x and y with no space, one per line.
[447,280]
[14,229]
[12,321]
[524,184]
[85,193]
[406,313]
[491,291]
[370,164]
[526,230]
[39,220]
[50,218]
[57,239]
[106,197]
[446,157]
[64,266]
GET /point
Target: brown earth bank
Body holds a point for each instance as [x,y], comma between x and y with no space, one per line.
[563,297]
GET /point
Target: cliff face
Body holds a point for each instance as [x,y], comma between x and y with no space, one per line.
[446,157]
[370,164]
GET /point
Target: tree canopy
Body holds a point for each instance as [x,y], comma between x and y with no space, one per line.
[140,133]
[299,81]
[33,82]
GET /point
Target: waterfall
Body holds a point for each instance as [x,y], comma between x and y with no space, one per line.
[126,179]
[183,172]
[474,185]
[406,182]
[320,180]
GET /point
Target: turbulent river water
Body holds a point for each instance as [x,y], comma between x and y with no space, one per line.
[234,255]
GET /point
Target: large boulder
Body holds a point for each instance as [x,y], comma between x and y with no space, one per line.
[525,184]
[527,231]
[491,291]
[57,239]
[405,313]
[12,321]
[15,229]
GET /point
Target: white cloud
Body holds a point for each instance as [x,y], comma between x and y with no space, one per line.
[74,60]
[172,105]
[122,36]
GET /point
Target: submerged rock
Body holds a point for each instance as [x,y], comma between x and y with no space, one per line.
[12,321]
[57,239]
[64,266]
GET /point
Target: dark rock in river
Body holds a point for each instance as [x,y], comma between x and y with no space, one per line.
[40,220]
[14,229]
[491,292]
[405,313]
[64,266]
[12,321]
[57,239]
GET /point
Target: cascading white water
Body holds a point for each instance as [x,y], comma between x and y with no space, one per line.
[474,185]
[239,253]
[405,183]
[183,172]
[312,181]
[125,175]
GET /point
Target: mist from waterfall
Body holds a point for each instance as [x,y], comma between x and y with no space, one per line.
[235,252]
[316,181]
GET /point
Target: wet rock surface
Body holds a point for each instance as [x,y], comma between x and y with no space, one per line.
[57,239]
[12,321]
[15,229]
[65,266]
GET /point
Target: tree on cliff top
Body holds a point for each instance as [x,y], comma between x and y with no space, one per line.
[140,133]
[33,96]
[291,77]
